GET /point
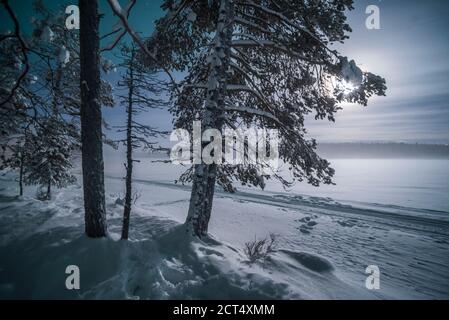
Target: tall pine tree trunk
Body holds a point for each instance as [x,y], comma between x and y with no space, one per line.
[203,187]
[91,131]
[49,189]
[22,158]
[129,156]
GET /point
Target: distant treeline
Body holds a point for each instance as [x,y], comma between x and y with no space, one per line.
[383,150]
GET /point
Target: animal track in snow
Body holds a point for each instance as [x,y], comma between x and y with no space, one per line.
[308,223]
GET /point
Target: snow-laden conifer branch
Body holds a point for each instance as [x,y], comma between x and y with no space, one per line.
[287,21]
[252,111]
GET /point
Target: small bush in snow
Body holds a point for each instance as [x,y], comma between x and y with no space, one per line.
[260,249]
[119,202]
[41,194]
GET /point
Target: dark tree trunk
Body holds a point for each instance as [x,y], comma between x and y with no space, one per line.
[129,152]
[48,189]
[21,174]
[91,122]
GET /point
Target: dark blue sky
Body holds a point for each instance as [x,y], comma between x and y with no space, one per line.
[411,51]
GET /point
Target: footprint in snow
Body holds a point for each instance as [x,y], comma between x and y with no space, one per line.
[349,223]
[307,224]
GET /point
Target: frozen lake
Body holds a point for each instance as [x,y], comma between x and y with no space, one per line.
[417,183]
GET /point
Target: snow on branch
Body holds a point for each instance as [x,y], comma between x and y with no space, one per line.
[247,23]
[286,20]
[240,43]
[252,111]
[238,87]
[23,48]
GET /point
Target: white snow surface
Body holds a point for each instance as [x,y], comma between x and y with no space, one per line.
[324,245]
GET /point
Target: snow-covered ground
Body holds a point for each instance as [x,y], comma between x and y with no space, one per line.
[324,245]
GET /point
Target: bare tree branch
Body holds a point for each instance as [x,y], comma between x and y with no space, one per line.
[116,8]
[122,31]
[24,49]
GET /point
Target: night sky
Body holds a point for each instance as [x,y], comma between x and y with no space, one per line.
[411,50]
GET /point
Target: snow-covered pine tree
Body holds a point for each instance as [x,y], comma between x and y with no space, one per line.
[55,53]
[12,112]
[14,156]
[21,108]
[140,90]
[50,149]
[15,107]
[10,82]
[260,63]
[52,75]
[58,50]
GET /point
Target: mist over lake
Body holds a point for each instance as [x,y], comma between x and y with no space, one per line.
[406,175]
[418,183]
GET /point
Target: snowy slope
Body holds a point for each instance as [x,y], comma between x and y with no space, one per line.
[323,247]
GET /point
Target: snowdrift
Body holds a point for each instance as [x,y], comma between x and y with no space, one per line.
[318,255]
